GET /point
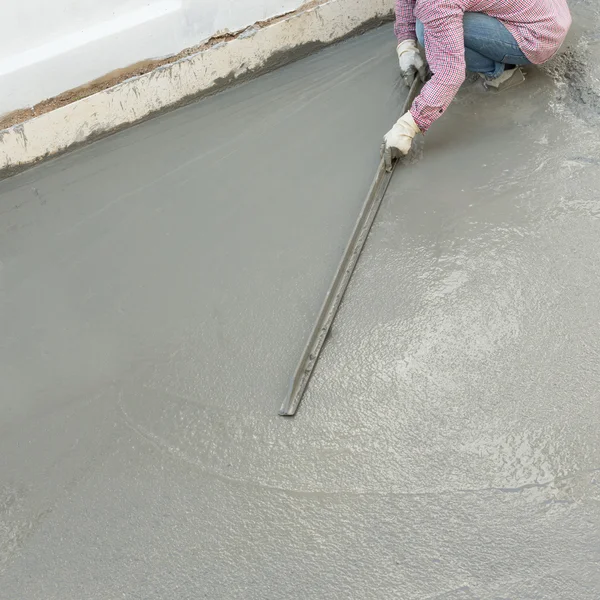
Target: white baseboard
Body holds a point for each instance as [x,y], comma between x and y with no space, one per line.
[170,85]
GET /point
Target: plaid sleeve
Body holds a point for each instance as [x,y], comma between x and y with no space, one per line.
[445,49]
[405,20]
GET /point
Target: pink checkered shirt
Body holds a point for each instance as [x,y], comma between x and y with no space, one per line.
[538,26]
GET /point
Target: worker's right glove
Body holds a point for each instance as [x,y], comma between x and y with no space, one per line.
[411,62]
[399,139]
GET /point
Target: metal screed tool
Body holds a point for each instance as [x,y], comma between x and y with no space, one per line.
[342,278]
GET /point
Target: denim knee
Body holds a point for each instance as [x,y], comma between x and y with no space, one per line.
[420,33]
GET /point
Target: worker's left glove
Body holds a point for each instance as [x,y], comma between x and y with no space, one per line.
[411,62]
[399,139]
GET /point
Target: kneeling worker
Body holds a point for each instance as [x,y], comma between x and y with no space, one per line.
[490,37]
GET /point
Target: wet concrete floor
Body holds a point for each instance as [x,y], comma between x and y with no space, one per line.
[156,291]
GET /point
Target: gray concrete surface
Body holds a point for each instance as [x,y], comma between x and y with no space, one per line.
[156,291]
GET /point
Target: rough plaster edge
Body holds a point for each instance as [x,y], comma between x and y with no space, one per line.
[186,80]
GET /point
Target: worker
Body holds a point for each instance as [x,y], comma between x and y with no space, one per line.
[493,38]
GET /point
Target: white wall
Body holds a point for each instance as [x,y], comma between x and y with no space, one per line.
[49,46]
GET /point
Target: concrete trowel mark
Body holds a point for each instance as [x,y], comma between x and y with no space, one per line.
[200,426]
[551,490]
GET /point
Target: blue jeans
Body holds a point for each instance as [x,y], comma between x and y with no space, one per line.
[488,45]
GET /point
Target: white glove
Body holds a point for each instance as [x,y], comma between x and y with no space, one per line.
[411,62]
[399,139]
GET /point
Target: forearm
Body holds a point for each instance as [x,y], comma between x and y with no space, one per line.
[405,20]
[444,45]
[433,101]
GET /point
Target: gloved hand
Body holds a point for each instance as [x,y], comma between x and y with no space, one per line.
[399,139]
[411,62]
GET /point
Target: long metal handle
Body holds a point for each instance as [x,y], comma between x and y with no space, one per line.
[338,288]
